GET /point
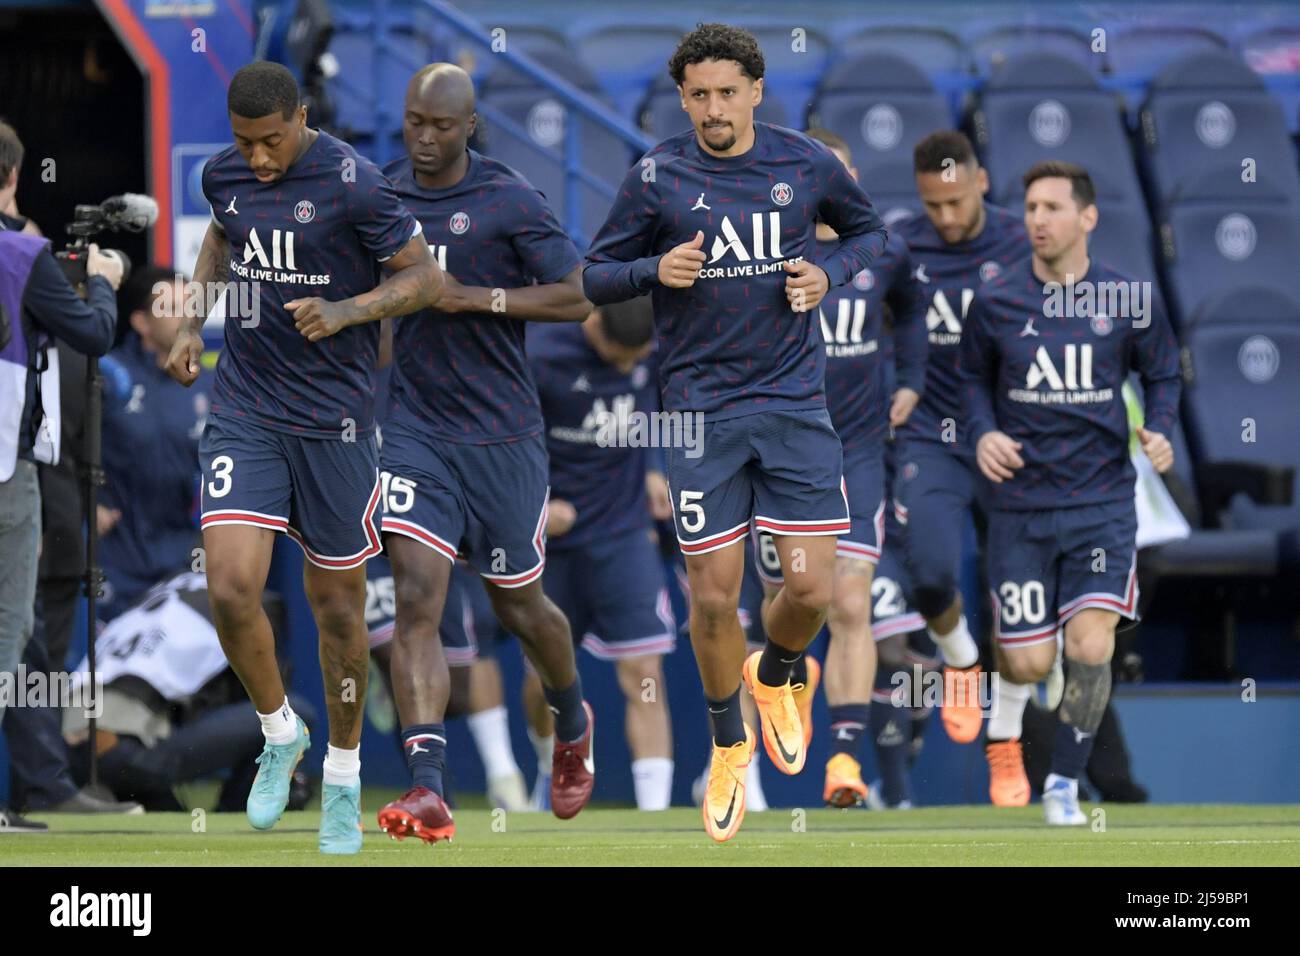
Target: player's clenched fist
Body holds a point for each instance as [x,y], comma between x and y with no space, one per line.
[806,285]
[998,455]
[183,362]
[1157,448]
[679,266]
[316,318]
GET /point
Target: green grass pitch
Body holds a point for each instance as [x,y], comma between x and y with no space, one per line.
[1168,835]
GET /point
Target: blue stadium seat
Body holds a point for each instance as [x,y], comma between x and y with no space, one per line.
[626,58]
[1247,304]
[1240,404]
[792,74]
[1124,241]
[661,114]
[1247,238]
[933,48]
[352,90]
[882,106]
[992,47]
[1043,106]
[1137,52]
[1210,110]
[545,121]
[894,207]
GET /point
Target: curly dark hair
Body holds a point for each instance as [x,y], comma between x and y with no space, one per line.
[717,41]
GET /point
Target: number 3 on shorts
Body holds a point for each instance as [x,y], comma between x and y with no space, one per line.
[219,486]
[692,511]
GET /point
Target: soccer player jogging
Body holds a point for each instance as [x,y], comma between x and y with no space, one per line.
[853,330]
[603,567]
[958,245]
[717,224]
[289,444]
[464,457]
[1045,354]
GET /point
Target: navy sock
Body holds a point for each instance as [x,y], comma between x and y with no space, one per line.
[920,720]
[776,664]
[727,720]
[891,731]
[848,721]
[1070,751]
[570,715]
[425,746]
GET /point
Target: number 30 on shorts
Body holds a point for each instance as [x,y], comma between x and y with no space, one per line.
[1022,602]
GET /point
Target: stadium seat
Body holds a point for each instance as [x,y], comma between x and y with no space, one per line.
[794,65]
[661,115]
[1245,305]
[1137,52]
[991,47]
[1044,106]
[352,90]
[626,58]
[1250,238]
[933,48]
[1211,110]
[1240,402]
[1124,241]
[882,106]
[544,120]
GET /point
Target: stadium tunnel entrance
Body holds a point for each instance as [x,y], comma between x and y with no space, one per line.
[92,144]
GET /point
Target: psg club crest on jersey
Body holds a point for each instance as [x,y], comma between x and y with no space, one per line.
[1102,323]
[640,375]
[910,471]
[304,211]
[990,271]
[459,222]
[782,194]
[864,281]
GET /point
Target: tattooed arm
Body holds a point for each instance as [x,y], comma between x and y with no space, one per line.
[414,282]
[211,266]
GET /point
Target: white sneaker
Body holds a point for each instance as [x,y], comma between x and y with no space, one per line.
[1054,686]
[509,793]
[1061,802]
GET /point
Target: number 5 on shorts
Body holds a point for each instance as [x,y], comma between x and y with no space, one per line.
[692,511]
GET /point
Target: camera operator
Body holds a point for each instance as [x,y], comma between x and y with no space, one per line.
[11,159]
[37,306]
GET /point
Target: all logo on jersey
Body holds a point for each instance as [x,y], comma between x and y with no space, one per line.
[1066,379]
[304,212]
[782,194]
[943,323]
[754,251]
[844,340]
[459,223]
[273,259]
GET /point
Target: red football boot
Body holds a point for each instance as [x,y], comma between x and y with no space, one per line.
[573,772]
[419,812]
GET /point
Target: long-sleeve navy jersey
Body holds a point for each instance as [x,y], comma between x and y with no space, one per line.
[951,273]
[852,321]
[1046,367]
[730,344]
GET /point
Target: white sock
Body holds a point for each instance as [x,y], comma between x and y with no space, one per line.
[545,747]
[342,767]
[491,732]
[754,798]
[652,778]
[958,648]
[281,725]
[1008,708]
